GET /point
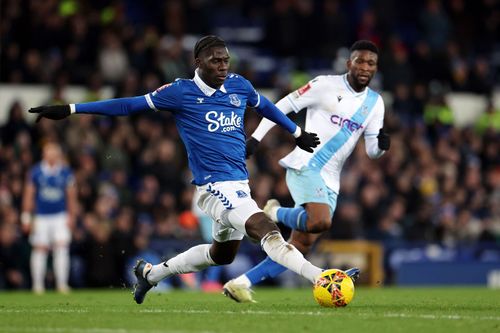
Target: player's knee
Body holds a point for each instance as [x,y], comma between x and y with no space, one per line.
[259,225]
[223,258]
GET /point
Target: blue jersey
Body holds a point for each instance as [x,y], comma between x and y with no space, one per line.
[210,123]
[50,188]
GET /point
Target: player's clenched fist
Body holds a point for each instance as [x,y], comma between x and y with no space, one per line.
[384,140]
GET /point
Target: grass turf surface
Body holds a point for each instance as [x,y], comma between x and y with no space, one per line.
[279,310]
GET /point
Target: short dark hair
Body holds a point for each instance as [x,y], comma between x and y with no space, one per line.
[206,43]
[364,45]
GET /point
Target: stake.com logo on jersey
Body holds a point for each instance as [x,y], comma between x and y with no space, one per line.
[344,122]
[219,120]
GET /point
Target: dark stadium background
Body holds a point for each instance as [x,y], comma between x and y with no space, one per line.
[431,204]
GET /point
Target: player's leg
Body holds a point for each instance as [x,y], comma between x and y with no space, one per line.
[313,218]
[62,237]
[212,275]
[268,268]
[61,266]
[194,259]
[259,227]
[225,244]
[226,241]
[303,241]
[38,266]
[313,200]
[246,217]
[40,242]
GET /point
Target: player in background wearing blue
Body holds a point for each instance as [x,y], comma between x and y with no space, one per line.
[340,108]
[50,194]
[208,110]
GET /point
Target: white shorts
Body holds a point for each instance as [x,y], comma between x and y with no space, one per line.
[230,205]
[48,230]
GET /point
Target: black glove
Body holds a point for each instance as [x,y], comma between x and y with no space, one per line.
[252,144]
[307,141]
[55,112]
[384,140]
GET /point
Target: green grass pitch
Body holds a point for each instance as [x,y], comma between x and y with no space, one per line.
[467,309]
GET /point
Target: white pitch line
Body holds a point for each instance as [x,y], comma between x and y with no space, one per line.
[270,313]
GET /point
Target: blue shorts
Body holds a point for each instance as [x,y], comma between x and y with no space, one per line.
[307,185]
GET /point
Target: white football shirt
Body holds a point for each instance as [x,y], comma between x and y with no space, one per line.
[338,115]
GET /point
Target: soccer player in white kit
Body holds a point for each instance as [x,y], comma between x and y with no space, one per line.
[50,194]
[340,108]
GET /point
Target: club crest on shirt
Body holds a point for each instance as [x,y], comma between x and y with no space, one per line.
[364,110]
[241,194]
[233,99]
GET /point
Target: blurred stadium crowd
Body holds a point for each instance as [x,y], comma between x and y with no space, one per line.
[438,183]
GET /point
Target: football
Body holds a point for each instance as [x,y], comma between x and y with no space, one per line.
[333,289]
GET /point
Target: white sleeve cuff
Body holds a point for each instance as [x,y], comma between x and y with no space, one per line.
[72,108]
[150,102]
[297,132]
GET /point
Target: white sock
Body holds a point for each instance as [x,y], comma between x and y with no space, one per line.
[287,255]
[273,213]
[61,266]
[243,280]
[38,265]
[193,260]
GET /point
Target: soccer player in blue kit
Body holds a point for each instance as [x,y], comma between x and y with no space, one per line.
[49,208]
[208,111]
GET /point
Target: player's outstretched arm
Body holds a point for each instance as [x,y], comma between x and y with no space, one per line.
[110,107]
[305,140]
[265,126]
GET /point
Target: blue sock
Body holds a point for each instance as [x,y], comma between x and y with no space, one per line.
[213,273]
[294,218]
[264,270]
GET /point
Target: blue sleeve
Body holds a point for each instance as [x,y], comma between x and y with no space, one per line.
[253,99]
[167,97]
[70,178]
[271,112]
[115,107]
